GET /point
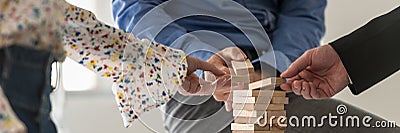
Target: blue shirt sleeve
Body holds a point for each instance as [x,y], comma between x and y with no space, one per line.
[300,26]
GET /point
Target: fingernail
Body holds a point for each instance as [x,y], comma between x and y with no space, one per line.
[296,87]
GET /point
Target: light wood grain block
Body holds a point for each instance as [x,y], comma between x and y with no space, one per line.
[253,113]
[279,100]
[246,120]
[255,93]
[242,67]
[260,99]
[239,131]
[242,127]
[255,127]
[244,99]
[257,106]
[254,120]
[249,127]
[248,113]
[258,113]
[267,83]
[241,78]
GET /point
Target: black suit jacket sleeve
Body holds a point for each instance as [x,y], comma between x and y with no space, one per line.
[372,52]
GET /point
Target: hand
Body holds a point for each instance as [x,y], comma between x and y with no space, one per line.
[193,85]
[317,74]
[222,61]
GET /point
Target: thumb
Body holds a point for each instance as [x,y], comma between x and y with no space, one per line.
[205,66]
[299,65]
[228,106]
[208,87]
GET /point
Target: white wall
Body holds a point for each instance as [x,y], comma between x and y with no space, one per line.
[97,112]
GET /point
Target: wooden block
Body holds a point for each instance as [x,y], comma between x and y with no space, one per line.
[244,100]
[255,127]
[279,100]
[257,106]
[247,113]
[250,106]
[258,113]
[242,68]
[246,120]
[277,113]
[272,107]
[259,99]
[254,93]
[247,127]
[240,78]
[244,86]
[268,127]
[249,131]
[254,120]
[267,83]
[242,127]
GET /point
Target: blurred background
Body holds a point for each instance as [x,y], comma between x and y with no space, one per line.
[84,103]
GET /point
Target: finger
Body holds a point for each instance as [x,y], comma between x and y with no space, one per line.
[184,89]
[306,91]
[217,60]
[222,90]
[313,91]
[322,94]
[291,79]
[221,97]
[300,64]
[194,83]
[210,88]
[286,87]
[196,88]
[208,76]
[308,75]
[232,53]
[297,85]
[228,106]
[202,65]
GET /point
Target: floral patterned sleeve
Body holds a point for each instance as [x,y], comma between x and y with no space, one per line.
[146,74]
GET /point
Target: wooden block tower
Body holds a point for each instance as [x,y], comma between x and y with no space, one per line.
[258,104]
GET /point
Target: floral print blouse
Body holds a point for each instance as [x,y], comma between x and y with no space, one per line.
[145,74]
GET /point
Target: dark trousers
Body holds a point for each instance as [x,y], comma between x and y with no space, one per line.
[25,77]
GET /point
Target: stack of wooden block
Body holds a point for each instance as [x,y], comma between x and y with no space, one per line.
[258,104]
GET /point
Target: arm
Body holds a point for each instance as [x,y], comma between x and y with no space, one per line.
[147,74]
[370,54]
[299,27]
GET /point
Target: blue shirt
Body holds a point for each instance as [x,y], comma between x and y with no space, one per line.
[293,27]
